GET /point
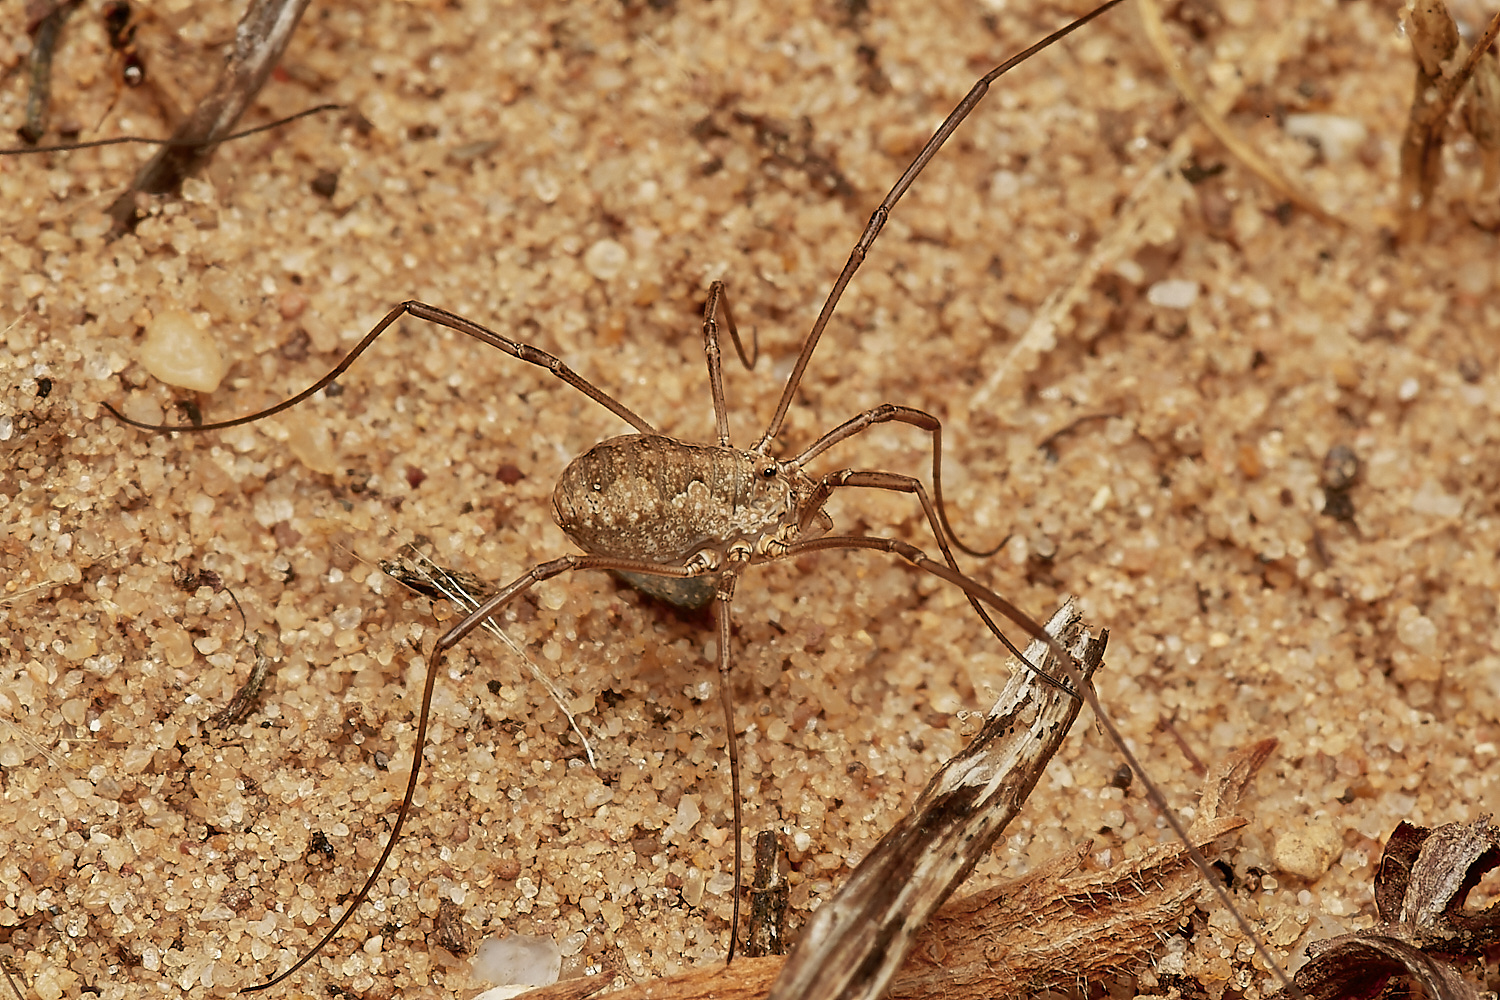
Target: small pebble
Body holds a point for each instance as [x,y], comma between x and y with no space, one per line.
[688,813]
[312,443]
[1336,135]
[1308,853]
[1173,293]
[1131,271]
[605,259]
[1340,468]
[518,960]
[291,304]
[177,352]
[1416,631]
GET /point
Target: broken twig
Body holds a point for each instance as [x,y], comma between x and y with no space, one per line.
[259,40]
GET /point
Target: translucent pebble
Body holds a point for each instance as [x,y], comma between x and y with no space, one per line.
[102,365]
[1173,293]
[139,407]
[553,598]
[1430,498]
[1336,135]
[347,618]
[692,887]
[1417,632]
[547,188]
[178,353]
[520,960]
[177,645]
[312,443]
[605,259]
[1131,271]
[573,943]
[53,983]
[688,813]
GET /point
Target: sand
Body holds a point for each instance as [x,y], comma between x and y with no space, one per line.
[575,176]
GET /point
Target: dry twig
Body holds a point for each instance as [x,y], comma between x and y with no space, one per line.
[1426,934]
[856,941]
[1434,43]
[1052,926]
[259,40]
[45,36]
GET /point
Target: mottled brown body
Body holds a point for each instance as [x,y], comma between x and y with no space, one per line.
[657,499]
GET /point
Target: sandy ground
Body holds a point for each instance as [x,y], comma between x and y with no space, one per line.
[575,175]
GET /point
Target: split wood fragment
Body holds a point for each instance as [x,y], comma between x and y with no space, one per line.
[1051,926]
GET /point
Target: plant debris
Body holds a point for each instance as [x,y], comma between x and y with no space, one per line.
[1440,80]
[1050,926]
[1424,934]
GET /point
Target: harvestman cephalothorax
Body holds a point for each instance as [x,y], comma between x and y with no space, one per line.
[651,507]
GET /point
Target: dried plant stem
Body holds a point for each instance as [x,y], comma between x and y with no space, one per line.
[856,941]
[43,44]
[1238,148]
[1434,40]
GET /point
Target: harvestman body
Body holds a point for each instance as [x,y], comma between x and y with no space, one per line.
[663,512]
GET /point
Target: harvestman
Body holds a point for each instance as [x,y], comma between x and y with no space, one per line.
[646,505]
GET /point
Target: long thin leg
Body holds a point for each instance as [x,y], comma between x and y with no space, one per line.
[445,642]
[442,317]
[885,413]
[718,301]
[881,214]
[121,140]
[721,618]
[906,484]
[1070,669]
